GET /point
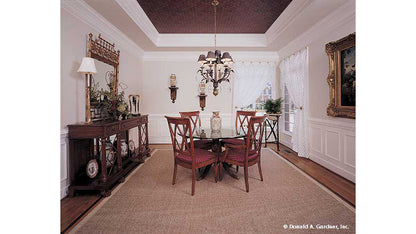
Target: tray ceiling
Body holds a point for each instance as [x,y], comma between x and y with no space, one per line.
[197,16]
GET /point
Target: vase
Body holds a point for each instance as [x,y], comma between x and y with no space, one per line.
[215,121]
[124,148]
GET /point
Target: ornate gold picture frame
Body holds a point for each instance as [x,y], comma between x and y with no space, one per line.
[341,77]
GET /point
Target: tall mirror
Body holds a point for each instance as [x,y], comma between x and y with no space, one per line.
[106,78]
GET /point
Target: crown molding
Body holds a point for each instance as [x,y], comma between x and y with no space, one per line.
[192,56]
[338,18]
[285,19]
[137,14]
[204,40]
[92,18]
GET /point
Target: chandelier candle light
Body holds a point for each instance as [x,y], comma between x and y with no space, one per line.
[215,67]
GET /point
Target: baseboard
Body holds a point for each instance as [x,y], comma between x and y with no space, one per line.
[332,167]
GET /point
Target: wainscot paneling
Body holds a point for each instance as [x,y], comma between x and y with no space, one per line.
[159,131]
[332,144]
[64,163]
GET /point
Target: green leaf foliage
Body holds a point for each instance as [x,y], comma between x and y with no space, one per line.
[273,106]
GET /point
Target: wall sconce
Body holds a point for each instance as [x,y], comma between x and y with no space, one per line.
[173,88]
[87,67]
[173,93]
[202,96]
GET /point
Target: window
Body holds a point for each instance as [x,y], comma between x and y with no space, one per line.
[288,112]
[258,105]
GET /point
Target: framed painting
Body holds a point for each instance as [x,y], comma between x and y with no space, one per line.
[341,77]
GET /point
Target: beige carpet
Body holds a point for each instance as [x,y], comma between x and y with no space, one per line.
[148,203]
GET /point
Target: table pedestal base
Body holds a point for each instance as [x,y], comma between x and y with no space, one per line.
[217,149]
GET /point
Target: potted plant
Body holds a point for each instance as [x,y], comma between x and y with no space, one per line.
[273,107]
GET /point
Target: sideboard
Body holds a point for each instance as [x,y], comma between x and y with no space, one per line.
[96,141]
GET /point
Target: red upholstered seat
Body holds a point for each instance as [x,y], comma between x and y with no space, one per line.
[201,155]
[203,144]
[234,141]
[238,155]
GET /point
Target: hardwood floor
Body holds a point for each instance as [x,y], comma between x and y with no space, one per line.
[337,184]
[75,208]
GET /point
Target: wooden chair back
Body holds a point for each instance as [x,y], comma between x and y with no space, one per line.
[179,128]
[255,135]
[193,117]
[242,120]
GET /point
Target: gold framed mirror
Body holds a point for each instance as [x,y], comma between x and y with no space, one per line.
[107,76]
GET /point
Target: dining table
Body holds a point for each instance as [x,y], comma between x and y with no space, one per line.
[216,137]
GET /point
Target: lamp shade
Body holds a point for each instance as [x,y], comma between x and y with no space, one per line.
[87,66]
[201,59]
[210,56]
[226,57]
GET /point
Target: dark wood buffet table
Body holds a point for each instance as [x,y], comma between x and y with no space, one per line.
[89,141]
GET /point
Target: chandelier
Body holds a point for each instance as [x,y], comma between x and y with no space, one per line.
[215,67]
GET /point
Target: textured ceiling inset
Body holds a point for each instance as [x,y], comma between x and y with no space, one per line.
[197,16]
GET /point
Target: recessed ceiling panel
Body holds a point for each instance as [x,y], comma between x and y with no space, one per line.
[197,16]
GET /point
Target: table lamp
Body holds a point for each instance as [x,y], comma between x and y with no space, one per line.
[87,67]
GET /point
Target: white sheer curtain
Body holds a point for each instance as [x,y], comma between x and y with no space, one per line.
[250,80]
[293,74]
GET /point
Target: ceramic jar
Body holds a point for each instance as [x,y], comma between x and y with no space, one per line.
[124,148]
[215,121]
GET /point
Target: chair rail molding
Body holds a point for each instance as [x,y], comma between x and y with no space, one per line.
[332,144]
[95,20]
[158,127]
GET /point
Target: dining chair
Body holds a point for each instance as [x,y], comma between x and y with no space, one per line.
[241,122]
[184,153]
[196,125]
[248,154]
[242,119]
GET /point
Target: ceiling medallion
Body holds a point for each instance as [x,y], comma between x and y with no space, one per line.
[215,67]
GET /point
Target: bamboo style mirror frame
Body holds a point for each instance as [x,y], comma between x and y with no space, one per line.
[102,50]
[341,77]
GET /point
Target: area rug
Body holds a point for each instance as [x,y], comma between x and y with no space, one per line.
[287,200]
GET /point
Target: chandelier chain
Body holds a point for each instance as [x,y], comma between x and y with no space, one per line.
[215,25]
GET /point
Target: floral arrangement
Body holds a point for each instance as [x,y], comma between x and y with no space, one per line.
[114,105]
[110,102]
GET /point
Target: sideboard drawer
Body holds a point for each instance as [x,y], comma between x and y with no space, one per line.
[129,125]
[112,129]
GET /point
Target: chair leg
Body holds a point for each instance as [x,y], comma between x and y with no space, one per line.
[246,176]
[193,181]
[175,168]
[216,171]
[261,174]
[220,171]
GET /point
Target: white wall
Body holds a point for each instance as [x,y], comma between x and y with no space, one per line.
[156,102]
[74,34]
[331,140]
[156,96]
